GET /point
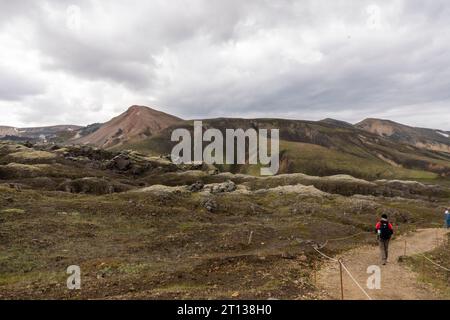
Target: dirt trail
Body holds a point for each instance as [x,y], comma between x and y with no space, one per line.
[397,281]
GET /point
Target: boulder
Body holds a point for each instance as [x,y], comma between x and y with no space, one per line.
[196,187]
[92,185]
[121,162]
[210,205]
[227,186]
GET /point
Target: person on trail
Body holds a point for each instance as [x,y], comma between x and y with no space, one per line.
[384,232]
[447,218]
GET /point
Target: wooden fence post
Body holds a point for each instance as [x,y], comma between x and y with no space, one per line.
[315,273]
[423,268]
[342,282]
[250,238]
[448,277]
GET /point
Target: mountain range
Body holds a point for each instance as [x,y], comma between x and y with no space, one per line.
[37,133]
[437,140]
[372,148]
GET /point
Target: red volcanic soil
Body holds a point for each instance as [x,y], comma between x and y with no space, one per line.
[137,122]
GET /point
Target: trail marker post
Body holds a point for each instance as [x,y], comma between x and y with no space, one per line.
[250,238]
[447,274]
[315,273]
[423,268]
[342,282]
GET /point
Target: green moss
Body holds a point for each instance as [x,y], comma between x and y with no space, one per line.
[274,284]
[18,170]
[431,274]
[174,288]
[32,155]
[315,159]
[185,226]
[13,211]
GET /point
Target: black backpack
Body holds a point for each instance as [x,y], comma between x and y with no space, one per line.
[385,232]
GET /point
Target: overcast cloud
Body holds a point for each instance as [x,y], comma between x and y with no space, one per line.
[81,62]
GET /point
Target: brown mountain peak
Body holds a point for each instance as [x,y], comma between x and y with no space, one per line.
[135,108]
[136,123]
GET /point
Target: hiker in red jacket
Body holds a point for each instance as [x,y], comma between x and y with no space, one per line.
[384,232]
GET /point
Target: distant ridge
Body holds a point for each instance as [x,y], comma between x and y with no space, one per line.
[36,133]
[372,149]
[430,139]
[337,123]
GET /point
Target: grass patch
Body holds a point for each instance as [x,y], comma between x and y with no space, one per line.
[13,211]
[318,160]
[431,274]
[31,155]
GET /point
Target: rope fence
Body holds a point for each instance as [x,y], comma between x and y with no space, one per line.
[349,237]
[425,257]
[436,264]
[343,267]
[354,280]
[324,255]
[343,238]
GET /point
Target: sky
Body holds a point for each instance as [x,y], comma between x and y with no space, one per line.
[81,62]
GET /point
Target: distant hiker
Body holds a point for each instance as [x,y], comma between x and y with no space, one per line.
[384,231]
[447,218]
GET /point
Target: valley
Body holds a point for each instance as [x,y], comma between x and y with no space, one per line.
[142,227]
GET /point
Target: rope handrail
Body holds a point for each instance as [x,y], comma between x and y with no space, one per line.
[322,245]
[424,256]
[354,280]
[345,269]
[343,238]
[324,255]
[436,264]
[348,237]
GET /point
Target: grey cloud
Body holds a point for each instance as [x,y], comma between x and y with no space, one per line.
[12,9]
[15,86]
[403,69]
[125,53]
[216,58]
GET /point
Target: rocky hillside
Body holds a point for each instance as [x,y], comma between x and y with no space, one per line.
[148,229]
[37,133]
[8,131]
[372,149]
[137,123]
[323,148]
[430,139]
